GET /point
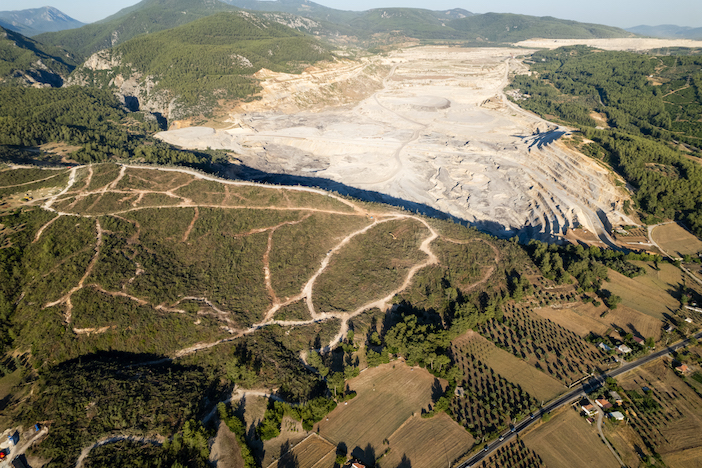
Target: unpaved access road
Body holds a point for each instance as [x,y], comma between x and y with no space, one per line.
[439,134]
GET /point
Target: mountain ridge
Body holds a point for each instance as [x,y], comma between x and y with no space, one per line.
[34,21]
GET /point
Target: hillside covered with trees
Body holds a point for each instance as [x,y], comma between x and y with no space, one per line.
[650,106]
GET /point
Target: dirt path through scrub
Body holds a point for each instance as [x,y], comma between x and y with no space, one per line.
[224,316]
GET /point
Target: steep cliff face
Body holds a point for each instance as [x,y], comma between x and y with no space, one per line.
[136,90]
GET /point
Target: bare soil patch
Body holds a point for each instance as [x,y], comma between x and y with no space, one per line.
[579,319]
[225,451]
[428,443]
[675,240]
[568,440]
[387,396]
[313,452]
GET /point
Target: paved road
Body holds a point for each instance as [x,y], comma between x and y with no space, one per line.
[569,397]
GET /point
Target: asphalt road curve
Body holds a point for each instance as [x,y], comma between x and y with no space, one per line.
[587,387]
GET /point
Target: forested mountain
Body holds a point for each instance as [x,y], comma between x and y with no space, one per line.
[186,69]
[647,128]
[507,27]
[37,20]
[668,31]
[148,16]
[298,7]
[24,61]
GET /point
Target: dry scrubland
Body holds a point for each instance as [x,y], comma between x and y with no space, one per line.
[674,428]
[675,240]
[568,440]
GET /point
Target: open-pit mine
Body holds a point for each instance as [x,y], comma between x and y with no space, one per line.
[428,128]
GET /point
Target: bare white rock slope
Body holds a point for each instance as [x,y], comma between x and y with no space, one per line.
[440,133]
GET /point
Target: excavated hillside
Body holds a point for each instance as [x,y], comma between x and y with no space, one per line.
[437,132]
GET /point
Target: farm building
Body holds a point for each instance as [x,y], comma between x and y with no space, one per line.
[624,349]
[357,465]
[683,368]
[602,403]
[604,347]
[616,415]
[616,397]
[639,340]
[589,409]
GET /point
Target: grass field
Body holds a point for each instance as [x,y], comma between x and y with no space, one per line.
[511,368]
[674,423]
[675,240]
[387,396]
[313,452]
[427,443]
[650,293]
[568,440]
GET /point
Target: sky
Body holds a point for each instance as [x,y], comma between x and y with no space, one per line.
[620,13]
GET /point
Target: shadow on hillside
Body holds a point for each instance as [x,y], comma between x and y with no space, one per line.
[244,172]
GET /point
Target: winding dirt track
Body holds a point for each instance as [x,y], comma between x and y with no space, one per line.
[276,304]
[306,293]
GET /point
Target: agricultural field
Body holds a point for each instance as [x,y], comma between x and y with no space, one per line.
[627,442]
[584,318]
[387,396]
[568,440]
[487,403]
[518,372]
[434,442]
[676,240]
[514,455]
[313,452]
[651,292]
[547,346]
[665,412]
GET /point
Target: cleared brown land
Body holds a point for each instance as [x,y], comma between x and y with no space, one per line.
[578,319]
[313,452]
[626,441]
[535,382]
[226,452]
[675,240]
[677,425]
[387,396]
[585,318]
[568,440]
[428,443]
[684,458]
[648,293]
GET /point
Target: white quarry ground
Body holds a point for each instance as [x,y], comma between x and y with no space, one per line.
[440,133]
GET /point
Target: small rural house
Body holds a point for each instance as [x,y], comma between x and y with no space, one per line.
[616,397]
[588,409]
[616,415]
[624,349]
[683,368]
[604,347]
[602,403]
